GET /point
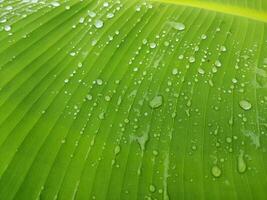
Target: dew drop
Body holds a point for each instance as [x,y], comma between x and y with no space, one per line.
[7,28]
[153,45]
[156,102]
[89,97]
[201,71]
[152,188]
[110,15]
[99,82]
[203,37]
[99,23]
[55,4]
[178,26]
[218,63]
[91,14]
[101,116]
[223,48]
[241,164]
[175,71]
[245,105]
[117,150]
[216,171]
[105,4]
[192,59]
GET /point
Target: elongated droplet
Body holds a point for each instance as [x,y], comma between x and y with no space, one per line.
[156,102]
[178,26]
[117,150]
[245,105]
[241,164]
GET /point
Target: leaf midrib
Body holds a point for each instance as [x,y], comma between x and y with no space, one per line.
[218,7]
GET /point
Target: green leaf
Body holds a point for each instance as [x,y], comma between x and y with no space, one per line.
[133,99]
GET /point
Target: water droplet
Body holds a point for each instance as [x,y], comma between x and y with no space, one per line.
[155,153]
[107,98]
[156,102]
[99,23]
[241,164]
[216,171]
[105,4]
[245,105]
[99,82]
[55,4]
[192,59]
[234,81]
[178,26]
[203,37]
[175,71]
[201,71]
[91,14]
[223,48]
[117,150]
[152,188]
[153,45]
[101,116]
[89,97]
[7,28]
[81,20]
[218,63]
[180,57]
[228,139]
[110,15]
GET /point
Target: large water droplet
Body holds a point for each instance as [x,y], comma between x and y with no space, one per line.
[91,14]
[216,171]
[7,28]
[153,45]
[99,23]
[245,105]
[156,102]
[218,63]
[178,25]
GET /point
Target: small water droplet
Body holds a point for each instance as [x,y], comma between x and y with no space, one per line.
[192,59]
[152,188]
[203,37]
[99,82]
[155,153]
[110,15]
[223,48]
[101,116]
[107,98]
[201,71]
[175,71]
[228,139]
[105,4]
